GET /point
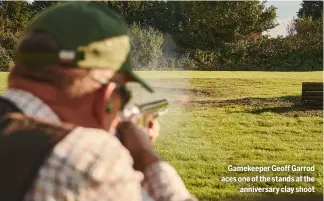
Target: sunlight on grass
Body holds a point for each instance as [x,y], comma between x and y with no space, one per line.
[221,118]
[236,118]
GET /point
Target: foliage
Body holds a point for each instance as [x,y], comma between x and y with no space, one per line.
[5,60]
[14,16]
[38,6]
[162,15]
[302,50]
[220,21]
[147,51]
[210,24]
[184,62]
[312,9]
[146,46]
[308,27]
[293,53]
[210,35]
[8,41]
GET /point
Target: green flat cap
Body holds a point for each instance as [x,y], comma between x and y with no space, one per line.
[89,36]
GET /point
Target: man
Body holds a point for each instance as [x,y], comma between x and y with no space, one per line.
[72,66]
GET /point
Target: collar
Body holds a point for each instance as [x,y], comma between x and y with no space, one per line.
[31,105]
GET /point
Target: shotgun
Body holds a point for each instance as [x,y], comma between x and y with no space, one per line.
[143,113]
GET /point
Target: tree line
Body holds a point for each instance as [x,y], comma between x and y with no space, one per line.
[218,35]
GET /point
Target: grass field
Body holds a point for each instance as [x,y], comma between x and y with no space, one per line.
[221,118]
[239,118]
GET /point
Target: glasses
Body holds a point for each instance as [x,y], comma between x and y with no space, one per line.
[125,94]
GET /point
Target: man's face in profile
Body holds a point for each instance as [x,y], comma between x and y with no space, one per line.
[117,100]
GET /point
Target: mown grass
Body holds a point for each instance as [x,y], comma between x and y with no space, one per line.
[239,118]
[3,81]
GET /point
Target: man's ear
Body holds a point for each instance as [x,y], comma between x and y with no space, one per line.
[102,99]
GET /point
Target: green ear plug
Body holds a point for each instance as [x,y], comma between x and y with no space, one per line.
[109,107]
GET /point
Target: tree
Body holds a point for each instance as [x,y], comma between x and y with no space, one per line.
[5,60]
[132,11]
[165,16]
[162,15]
[306,34]
[210,24]
[38,6]
[201,25]
[312,9]
[309,22]
[14,16]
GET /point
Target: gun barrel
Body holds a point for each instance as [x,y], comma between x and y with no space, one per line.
[153,106]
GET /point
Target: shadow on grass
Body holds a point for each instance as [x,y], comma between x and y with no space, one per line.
[294,109]
[287,105]
[184,90]
[253,101]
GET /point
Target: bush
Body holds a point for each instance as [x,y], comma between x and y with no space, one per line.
[147,51]
[184,62]
[146,46]
[206,60]
[299,52]
[5,60]
[302,51]
[7,43]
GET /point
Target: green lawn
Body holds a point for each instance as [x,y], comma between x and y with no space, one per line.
[3,81]
[221,118]
[239,118]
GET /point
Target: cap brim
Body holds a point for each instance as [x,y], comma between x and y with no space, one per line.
[136,78]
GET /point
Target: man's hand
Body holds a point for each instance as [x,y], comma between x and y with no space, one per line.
[136,141]
[152,130]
